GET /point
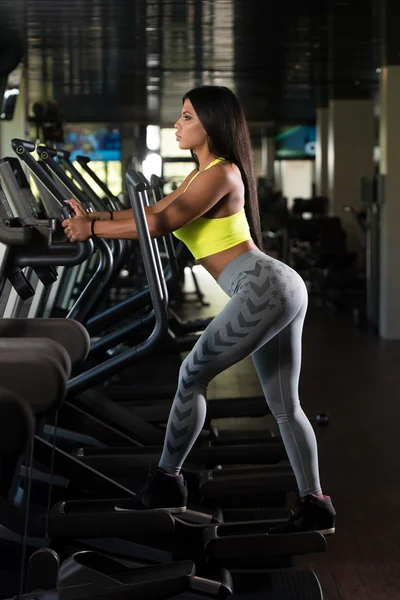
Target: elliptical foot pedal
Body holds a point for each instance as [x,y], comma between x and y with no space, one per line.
[43,570]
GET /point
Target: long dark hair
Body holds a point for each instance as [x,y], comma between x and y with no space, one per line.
[223,118]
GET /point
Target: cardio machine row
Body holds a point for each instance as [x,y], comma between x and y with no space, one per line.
[100,445]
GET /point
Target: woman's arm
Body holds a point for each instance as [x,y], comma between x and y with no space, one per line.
[206,190]
[103,215]
[117,215]
[80,228]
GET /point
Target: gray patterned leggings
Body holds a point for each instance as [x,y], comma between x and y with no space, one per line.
[263,318]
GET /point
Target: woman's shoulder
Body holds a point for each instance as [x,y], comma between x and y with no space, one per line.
[230,171]
[222,172]
[227,167]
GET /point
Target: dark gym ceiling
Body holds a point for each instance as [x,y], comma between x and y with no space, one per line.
[132,60]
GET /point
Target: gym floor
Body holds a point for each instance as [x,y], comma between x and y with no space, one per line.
[353,376]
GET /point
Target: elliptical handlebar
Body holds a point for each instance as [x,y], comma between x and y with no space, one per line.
[14,236]
[83,160]
[147,184]
[23,150]
[114,365]
[47,155]
[81,252]
[134,179]
[26,145]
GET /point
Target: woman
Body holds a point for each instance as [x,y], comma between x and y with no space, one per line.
[215,212]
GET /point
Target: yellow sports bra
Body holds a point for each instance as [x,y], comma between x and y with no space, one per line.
[205,236]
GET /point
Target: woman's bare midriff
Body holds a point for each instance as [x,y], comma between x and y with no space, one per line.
[216,263]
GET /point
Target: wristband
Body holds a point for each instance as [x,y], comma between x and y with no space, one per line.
[92,229]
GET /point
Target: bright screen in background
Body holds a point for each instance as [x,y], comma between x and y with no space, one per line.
[9,92]
[99,143]
[296,142]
